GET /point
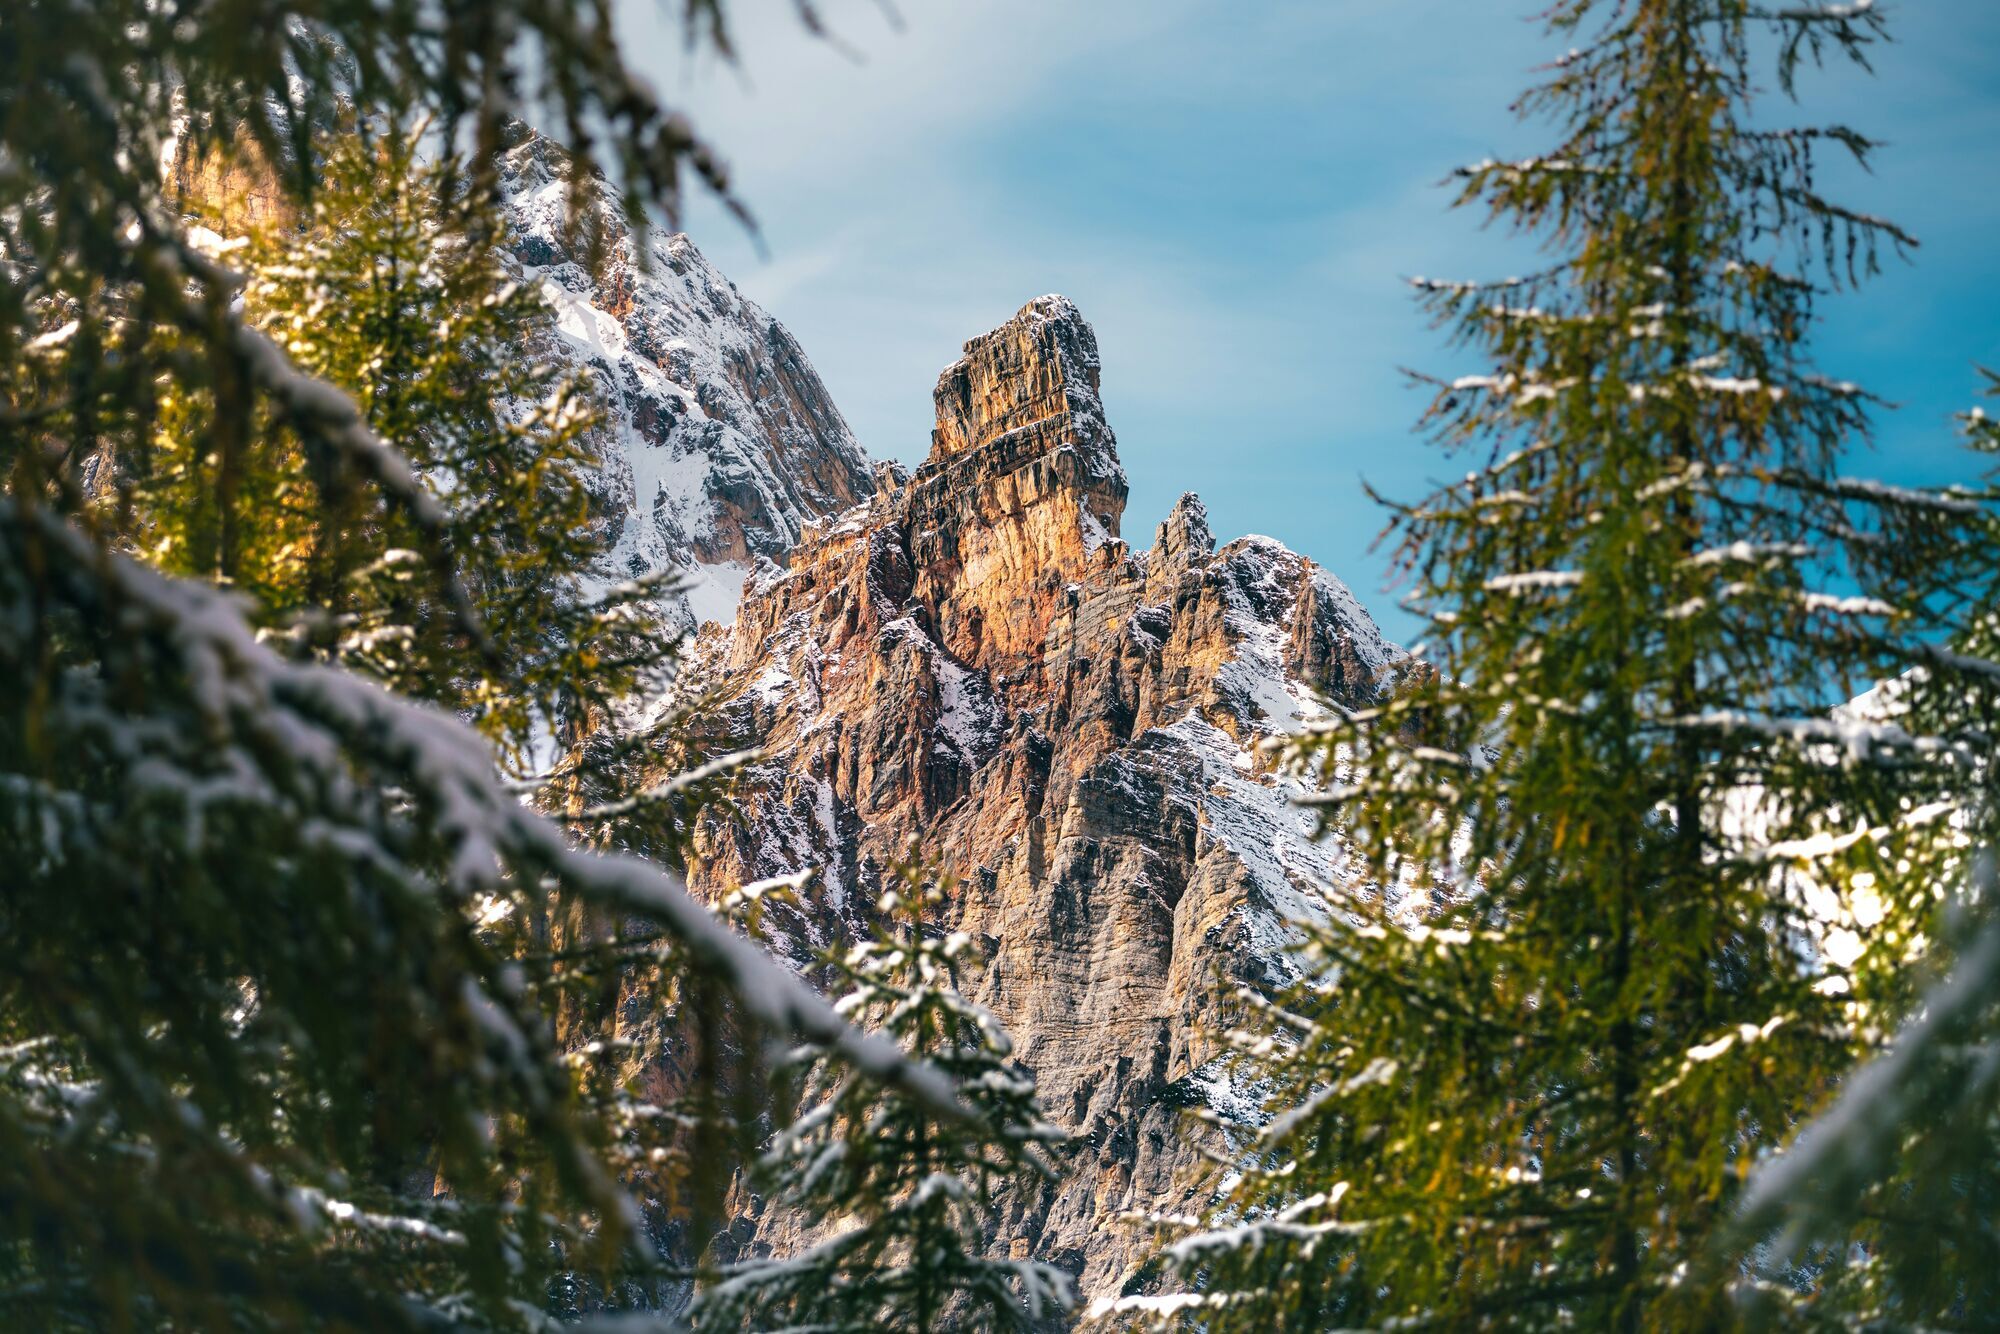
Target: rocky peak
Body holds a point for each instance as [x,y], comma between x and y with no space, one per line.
[971,657]
[1184,537]
[722,443]
[1042,365]
[1022,492]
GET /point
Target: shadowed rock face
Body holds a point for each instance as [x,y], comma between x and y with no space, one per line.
[973,657]
[721,442]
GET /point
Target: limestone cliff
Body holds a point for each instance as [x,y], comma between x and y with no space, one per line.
[970,654]
[975,657]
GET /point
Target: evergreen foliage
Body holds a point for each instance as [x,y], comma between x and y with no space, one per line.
[397,294]
[291,1033]
[308,1021]
[1622,849]
[901,1195]
[1982,430]
[277,1003]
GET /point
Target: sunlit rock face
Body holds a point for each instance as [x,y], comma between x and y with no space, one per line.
[721,442]
[1021,488]
[973,657]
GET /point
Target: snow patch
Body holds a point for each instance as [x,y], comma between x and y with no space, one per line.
[721,444]
[716,592]
[1258,819]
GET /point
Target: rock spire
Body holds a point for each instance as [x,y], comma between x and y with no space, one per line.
[973,657]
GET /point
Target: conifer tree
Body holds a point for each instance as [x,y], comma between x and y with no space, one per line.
[1892,1193]
[1607,843]
[277,1046]
[900,1195]
[396,292]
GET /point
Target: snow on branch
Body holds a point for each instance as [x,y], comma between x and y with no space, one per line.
[1861,488]
[321,412]
[1533,579]
[718,767]
[1514,171]
[1469,288]
[1859,739]
[1829,13]
[1743,1035]
[327,718]
[1748,553]
[1858,1134]
[1286,1226]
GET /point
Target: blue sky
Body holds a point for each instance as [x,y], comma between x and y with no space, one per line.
[1233,194]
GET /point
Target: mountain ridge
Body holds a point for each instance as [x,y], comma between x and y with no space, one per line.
[973,659]
[966,657]
[721,442]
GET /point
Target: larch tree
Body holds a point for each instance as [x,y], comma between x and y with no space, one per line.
[897,1198]
[398,293]
[277,1018]
[1608,849]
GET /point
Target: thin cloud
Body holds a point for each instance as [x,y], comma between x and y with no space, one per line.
[1233,194]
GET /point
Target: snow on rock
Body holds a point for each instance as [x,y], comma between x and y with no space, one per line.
[721,443]
[972,657]
[1257,819]
[1282,608]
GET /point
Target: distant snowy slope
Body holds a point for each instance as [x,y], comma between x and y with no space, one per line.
[722,443]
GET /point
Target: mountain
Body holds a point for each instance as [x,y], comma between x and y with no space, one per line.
[974,658]
[721,443]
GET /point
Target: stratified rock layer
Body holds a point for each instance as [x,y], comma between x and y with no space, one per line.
[974,658]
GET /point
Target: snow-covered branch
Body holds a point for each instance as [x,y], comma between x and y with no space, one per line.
[326,718]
